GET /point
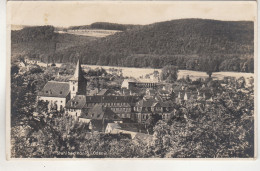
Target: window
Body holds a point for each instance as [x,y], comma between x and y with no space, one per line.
[73,88]
[61,101]
[46,91]
[60,92]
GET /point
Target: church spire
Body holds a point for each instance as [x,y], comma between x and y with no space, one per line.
[78,69]
[78,83]
[78,75]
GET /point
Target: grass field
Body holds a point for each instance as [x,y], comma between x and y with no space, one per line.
[139,72]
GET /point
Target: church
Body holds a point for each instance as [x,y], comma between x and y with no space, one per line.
[59,93]
[71,97]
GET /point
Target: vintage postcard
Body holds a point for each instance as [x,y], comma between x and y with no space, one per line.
[131,79]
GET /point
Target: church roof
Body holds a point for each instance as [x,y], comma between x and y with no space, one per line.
[78,74]
[55,89]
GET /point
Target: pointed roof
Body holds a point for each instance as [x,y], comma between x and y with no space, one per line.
[55,89]
[78,74]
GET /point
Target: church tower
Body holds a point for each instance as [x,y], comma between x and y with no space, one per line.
[78,83]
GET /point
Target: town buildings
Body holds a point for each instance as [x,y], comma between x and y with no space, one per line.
[105,108]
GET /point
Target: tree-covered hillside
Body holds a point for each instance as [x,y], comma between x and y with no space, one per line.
[42,42]
[186,43]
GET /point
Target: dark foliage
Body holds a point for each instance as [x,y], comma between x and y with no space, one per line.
[187,43]
[184,43]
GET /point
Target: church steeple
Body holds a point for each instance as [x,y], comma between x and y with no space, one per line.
[78,82]
[78,74]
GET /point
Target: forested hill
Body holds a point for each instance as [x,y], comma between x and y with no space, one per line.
[187,43]
[41,42]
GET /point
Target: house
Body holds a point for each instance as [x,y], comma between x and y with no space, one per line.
[122,106]
[98,117]
[75,106]
[144,83]
[145,108]
[104,92]
[127,83]
[92,92]
[101,112]
[165,94]
[150,92]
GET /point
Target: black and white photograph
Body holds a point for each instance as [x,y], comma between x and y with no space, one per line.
[131,80]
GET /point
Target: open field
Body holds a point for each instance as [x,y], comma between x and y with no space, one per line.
[90,32]
[141,72]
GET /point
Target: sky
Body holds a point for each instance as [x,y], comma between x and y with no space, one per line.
[64,14]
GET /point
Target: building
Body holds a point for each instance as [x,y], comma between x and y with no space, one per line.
[56,93]
[122,106]
[78,83]
[132,83]
[98,117]
[59,93]
[165,94]
[145,108]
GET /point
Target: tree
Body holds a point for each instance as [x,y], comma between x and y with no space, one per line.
[169,73]
[42,106]
[14,69]
[209,72]
[151,122]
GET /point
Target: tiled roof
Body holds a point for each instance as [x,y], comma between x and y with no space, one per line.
[102,92]
[78,102]
[111,99]
[93,92]
[100,112]
[146,103]
[55,89]
[78,74]
[167,104]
